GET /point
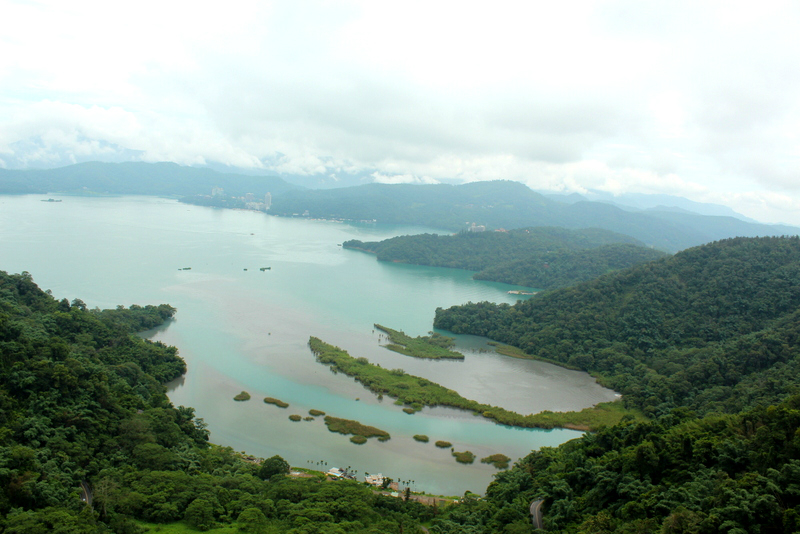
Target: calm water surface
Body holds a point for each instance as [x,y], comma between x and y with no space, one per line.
[240,328]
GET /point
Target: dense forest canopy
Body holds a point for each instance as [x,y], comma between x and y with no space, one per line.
[538,257]
[713,327]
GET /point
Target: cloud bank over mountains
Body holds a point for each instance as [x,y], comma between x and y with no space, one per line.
[700,100]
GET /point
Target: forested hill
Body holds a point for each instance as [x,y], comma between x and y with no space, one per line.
[542,257]
[508,205]
[714,328]
[136,178]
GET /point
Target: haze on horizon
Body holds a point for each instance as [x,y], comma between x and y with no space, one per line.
[694,99]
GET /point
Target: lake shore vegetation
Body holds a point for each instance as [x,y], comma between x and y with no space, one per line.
[416,392]
[243,396]
[277,402]
[433,346]
[500,461]
[348,426]
[465,457]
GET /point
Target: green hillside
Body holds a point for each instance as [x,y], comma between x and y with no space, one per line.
[541,257]
[708,328]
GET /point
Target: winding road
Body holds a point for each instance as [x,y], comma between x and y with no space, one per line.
[536,513]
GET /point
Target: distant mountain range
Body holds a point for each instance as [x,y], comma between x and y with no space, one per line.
[136,178]
[664,222]
[508,205]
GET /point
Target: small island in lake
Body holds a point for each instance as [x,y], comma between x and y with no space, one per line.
[434,346]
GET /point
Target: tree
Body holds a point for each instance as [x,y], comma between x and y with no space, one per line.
[252,521]
[200,514]
[273,466]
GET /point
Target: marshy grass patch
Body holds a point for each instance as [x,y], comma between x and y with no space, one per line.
[277,402]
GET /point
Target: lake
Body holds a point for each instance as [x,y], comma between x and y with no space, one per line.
[241,328]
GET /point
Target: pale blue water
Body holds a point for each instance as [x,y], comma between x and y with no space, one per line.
[248,330]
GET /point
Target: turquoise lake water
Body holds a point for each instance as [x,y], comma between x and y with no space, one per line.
[240,328]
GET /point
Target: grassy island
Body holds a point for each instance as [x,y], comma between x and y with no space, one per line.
[243,396]
[500,461]
[276,402]
[294,417]
[417,392]
[421,438]
[315,413]
[465,457]
[348,426]
[433,347]
[443,444]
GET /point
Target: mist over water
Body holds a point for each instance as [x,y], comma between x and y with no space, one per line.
[241,328]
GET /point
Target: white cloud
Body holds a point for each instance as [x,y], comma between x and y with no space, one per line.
[695,99]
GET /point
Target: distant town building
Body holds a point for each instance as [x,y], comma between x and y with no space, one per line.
[476,228]
[335,472]
[217,191]
[267,201]
[374,480]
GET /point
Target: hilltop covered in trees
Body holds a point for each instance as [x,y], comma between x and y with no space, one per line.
[540,257]
[711,328]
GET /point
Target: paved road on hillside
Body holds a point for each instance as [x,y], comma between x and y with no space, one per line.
[536,513]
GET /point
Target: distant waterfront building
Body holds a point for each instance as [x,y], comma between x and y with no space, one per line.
[476,228]
[267,201]
[374,480]
[217,191]
[335,472]
[248,197]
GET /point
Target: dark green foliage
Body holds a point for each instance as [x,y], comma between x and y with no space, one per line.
[348,426]
[711,328]
[243,396]
[434,346]
[543,257]
[443,444]
[465,457]
[735,473]
[273,466]
[421,438]
[500,461]
[561,269]
[277,402]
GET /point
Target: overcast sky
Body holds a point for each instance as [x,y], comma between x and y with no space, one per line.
[695,99]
